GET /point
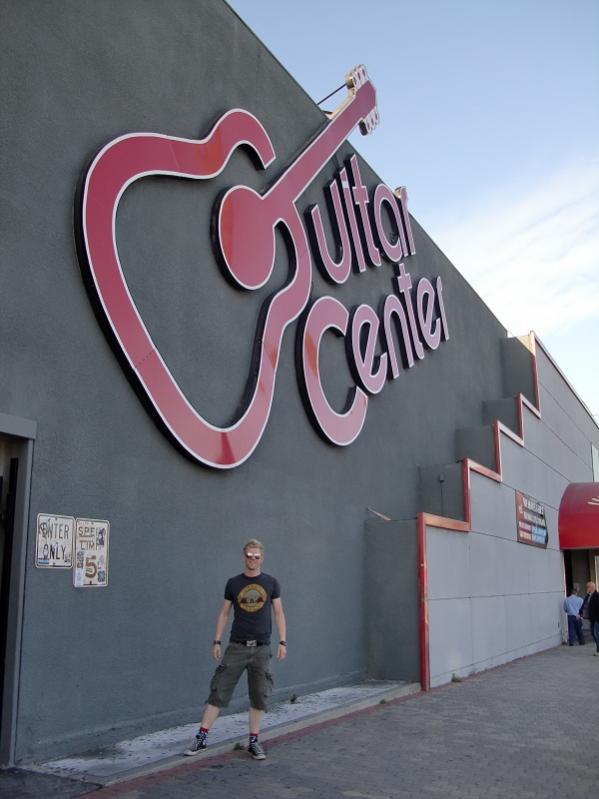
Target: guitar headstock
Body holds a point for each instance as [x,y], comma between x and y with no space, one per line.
[354,79]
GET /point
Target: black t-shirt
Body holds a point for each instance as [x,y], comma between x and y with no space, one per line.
[252,598]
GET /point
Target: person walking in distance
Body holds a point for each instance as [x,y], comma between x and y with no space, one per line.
[572,606]
[255,598]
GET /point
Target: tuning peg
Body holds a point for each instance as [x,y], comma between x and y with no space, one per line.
[356,77]
[369,123]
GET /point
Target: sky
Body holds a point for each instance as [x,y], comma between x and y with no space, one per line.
[490,116]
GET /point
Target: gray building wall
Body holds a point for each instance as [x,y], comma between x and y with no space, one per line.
[492,598]
[392,600]
[98,665]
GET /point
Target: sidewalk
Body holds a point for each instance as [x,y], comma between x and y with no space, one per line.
[529,729]
[163,749]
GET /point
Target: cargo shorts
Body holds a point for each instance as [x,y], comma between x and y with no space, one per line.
[237,659]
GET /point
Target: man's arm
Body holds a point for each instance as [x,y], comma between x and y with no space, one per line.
[277,609]
[221,621]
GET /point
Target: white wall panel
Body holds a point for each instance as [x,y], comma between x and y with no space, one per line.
[559,400]
[515,564]
[448,564]
[489,641]
[493,507]
[545,610]
[450,649]
[518,622]
[523,471]
[567,448]
[485,577]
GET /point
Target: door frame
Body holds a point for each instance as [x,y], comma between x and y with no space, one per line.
[23,431]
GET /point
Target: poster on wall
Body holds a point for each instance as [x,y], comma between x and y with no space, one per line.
[531,523]
[91,553]
[54,541]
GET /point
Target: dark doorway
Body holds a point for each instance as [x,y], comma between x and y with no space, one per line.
[8,498]
[17,438]
[568,570]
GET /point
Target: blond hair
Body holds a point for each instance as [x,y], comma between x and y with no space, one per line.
[253,542]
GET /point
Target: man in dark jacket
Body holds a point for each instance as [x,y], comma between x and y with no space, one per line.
[593,610]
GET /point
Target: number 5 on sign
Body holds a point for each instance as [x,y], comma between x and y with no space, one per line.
[91,553]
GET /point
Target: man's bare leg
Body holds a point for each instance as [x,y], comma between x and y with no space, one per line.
[211,713]
[255,720]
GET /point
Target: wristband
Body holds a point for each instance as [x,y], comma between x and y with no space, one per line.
[216,643]
[282,643]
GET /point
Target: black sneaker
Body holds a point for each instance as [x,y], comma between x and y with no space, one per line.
[256,751]
[197,746]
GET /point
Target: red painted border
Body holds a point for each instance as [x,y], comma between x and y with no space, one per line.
[424,520]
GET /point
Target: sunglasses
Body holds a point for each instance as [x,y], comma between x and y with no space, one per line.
[252,556]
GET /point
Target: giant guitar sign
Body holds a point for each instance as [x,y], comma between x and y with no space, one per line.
[245,226]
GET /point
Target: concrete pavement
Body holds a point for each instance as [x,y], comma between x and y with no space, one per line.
[528,729]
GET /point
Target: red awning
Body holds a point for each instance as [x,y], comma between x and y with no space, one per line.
[579,517]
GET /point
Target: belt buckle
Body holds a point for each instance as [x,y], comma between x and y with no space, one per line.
[251,643]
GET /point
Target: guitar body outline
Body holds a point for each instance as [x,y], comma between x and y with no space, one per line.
[246,223]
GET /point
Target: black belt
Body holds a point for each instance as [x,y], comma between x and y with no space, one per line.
[250,643]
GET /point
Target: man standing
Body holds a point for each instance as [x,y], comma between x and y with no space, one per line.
[572,606]
[593,608]
[584,611]
[253,595]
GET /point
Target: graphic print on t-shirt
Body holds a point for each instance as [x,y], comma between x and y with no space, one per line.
[251,598]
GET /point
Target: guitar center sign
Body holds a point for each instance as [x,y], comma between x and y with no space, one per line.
[410,322]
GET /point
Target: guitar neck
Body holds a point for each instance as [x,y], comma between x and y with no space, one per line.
[303,171]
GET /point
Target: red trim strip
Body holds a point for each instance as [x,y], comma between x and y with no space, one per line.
[423,604]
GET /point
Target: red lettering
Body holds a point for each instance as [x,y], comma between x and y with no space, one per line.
[425,302]
[404,282]
[402,195]
[342,428]
[371,378]
[439,287]
[337,270]
[353,223]
[394,250]
[361,200]
[393,309]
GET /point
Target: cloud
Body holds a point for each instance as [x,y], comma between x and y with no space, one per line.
[532,252]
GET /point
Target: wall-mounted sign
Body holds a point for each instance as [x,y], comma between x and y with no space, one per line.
[91,553]
[369,228]
[54,541]
[531,523]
